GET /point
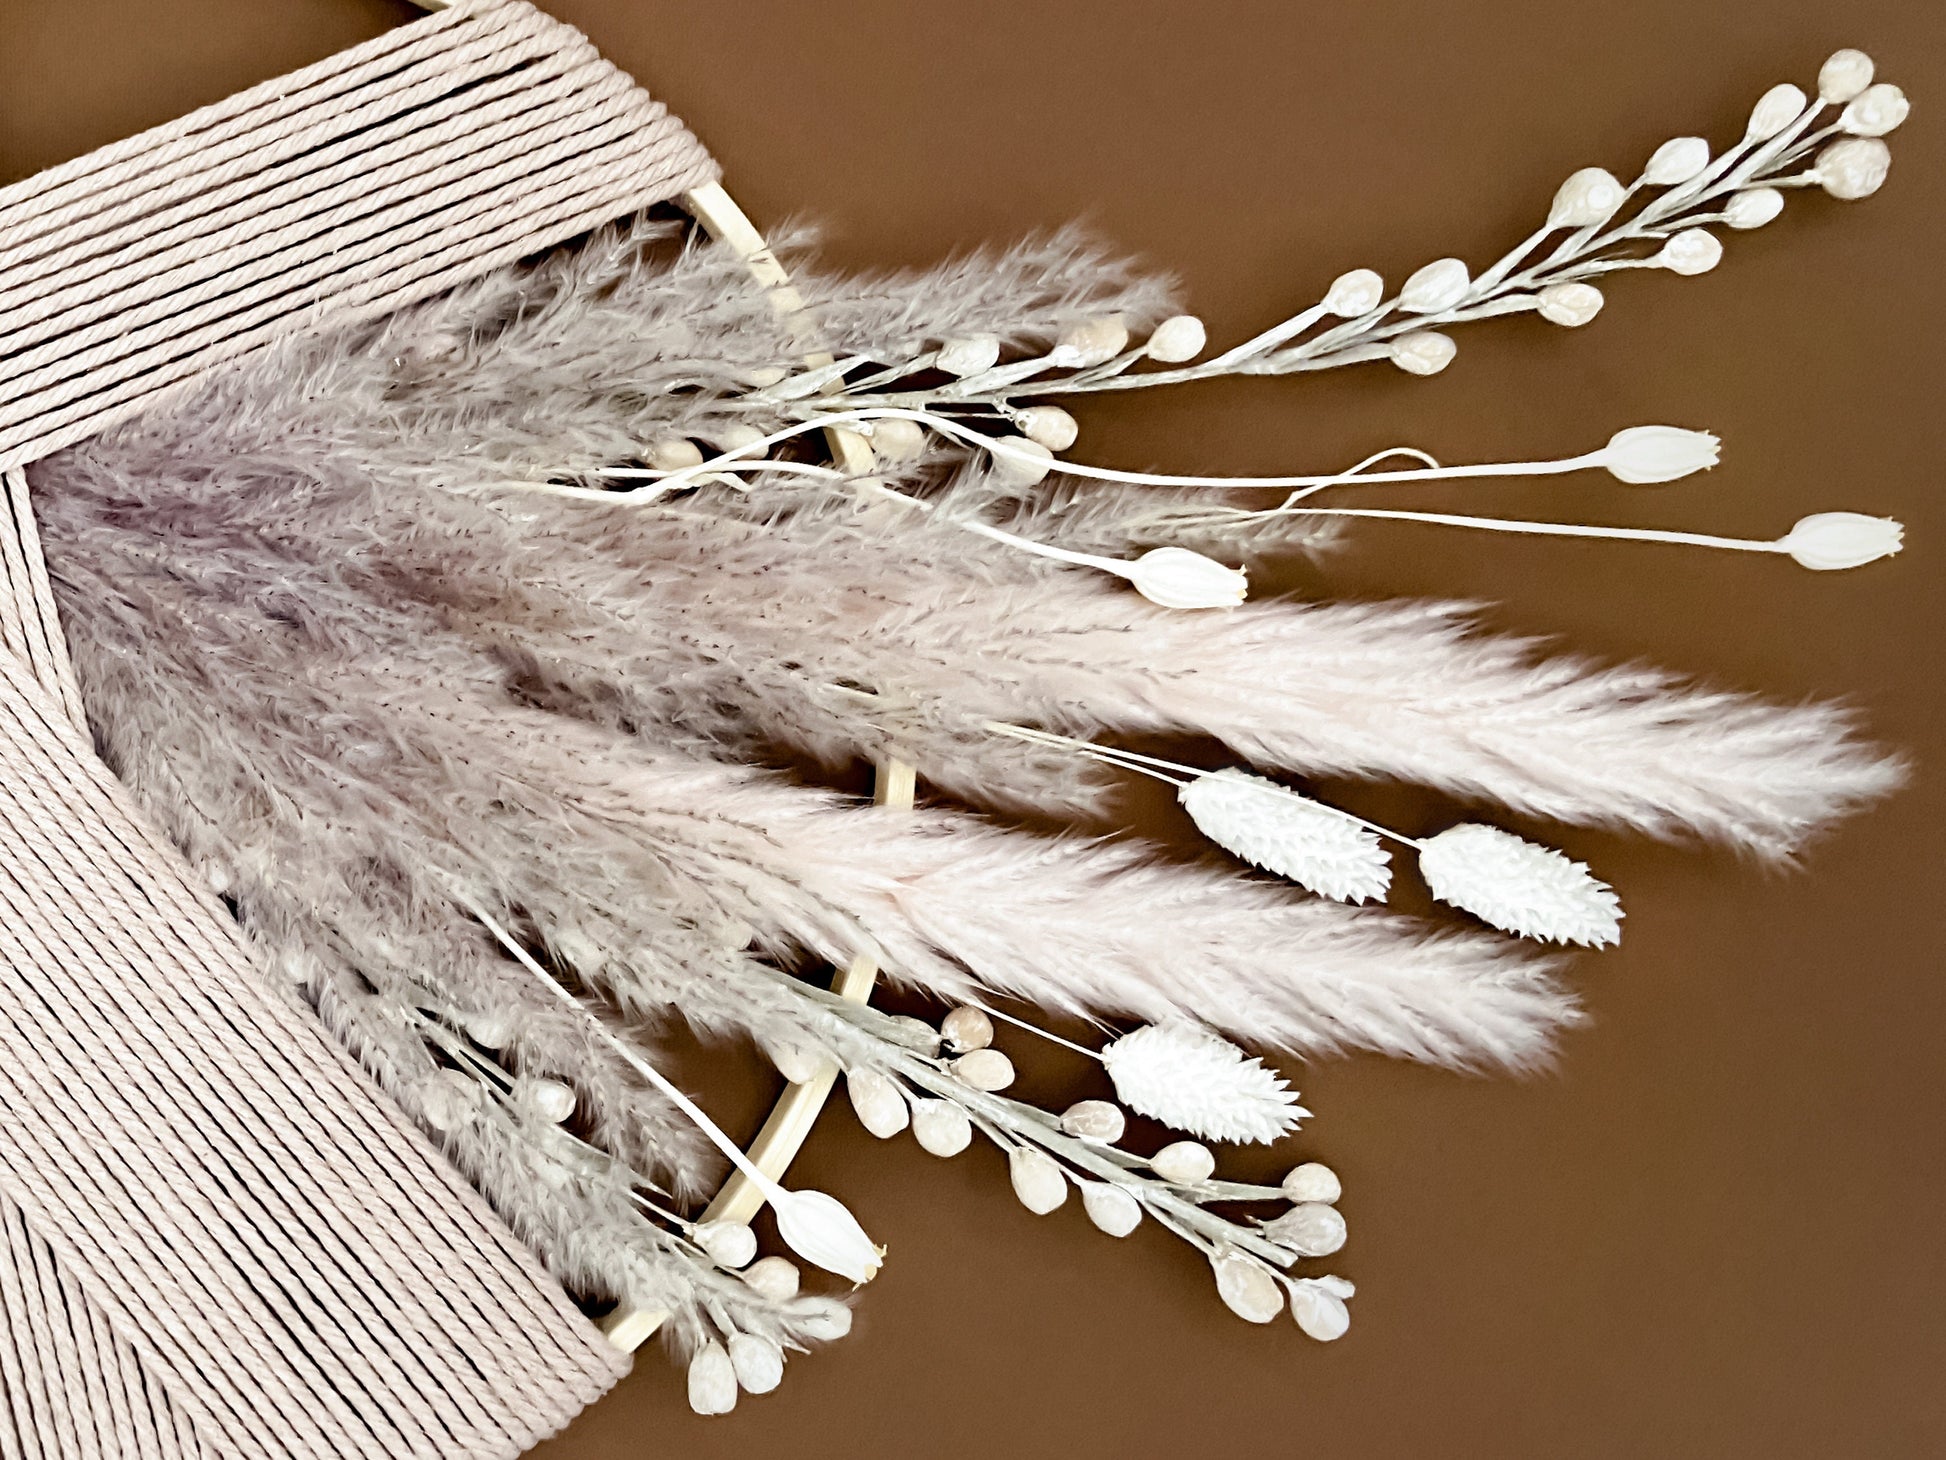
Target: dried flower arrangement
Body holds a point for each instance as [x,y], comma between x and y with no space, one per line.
[449,649]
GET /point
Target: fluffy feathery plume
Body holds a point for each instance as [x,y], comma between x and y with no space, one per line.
[1190,1080]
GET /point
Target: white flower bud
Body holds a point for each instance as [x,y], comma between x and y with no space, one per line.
[1693,251]
[1753,207]
[1246,1286]
[985,1069]
[674,454]
[1092,342]
[1311,1229]
[897,439]
[1179,578]
[969,356]
[826,1323]
[1644,454]
[1176,339]
[1038,1179]
[941,1127]
[729,1244]
[1053,427]
[819,1229]
[798,1063]
[1591,195]
[736,436]
[966,1028]
[449,1101]
[1313,1181]
[775,1277]
[765,376]
[1854,167]
[1320,1312]
[489,1029]
[1423,352]
[1019,462]
[758,1362]
[1111,1208]
[1875,111]
[1843,76]
[1354,293]
[1439,285]
[1095,1120]
[1184,1163]
[876,1100]
[712,1380]
[1676,161]
[549,1099]
[1775,110]
[1829,541]
[1572,305]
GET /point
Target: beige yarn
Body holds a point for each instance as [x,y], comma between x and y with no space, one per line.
[216,1237]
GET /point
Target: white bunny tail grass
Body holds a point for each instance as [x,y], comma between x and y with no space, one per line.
[1519,887]
[1193,1081]
[1272,827]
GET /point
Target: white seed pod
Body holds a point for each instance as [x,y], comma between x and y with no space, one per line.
[1592,195]
[1051,426]
[712,1380]
[878,1103]
[829,1321]
[1693,251]
[449,1101]
[1843,76]
[1038,1179]
[1273,827]
[1351,294]
[729,1244]
[1676,161]
[1311,1229]
[1312,1182]
[1644,455]
[1178,338]
[674,453]
[1775,110]
[737,436]
[896,439]
[1196,1081]
[985,1069]
[1854,167]
[758,1362]
[1019,462]
[1423,352]
[821,1229]
[1319,1311]
[798,1063]
[1519,887]
[1111,1208]
[969,356]
[551,1100]
[966,1028]
[941,1127]
[1246,1286]
[1572,304]
[1875,111]
[1831,541]
[763,377]
[1092,342]
[1439,285]
[1175,577]
[1753,207]
[1184,1163]
[777,1278]
[1094,1120]
[490,1029]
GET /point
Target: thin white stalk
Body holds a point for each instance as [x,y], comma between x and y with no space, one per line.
[1557,529]
[1048,1035]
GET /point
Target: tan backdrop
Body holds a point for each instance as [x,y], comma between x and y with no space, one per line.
[1716,1230]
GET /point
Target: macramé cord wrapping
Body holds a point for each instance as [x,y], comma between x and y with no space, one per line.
[216,1239]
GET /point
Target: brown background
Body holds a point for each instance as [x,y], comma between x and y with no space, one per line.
[1716,1230]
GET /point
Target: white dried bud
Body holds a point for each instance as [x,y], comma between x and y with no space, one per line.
[1572,305]
[674,454]
[896,439]
[1521,888]
[1843,76]
[876,1100]
[1273,827]
[765,376]
[1178,338]
[1112,1208]
[729,1244]
[985,1069]
[798,1063]
[1038,1179]
[1676,161]
[1184,1163]
[449,1101]
[1311,1229]
[1019,461]
[758,1362]
[1246,1286]
[1693,251]
[1775,110]
[1439,285]
[1875,111]
[1753,207]
[490,1029]
[966,1028]
[736,436]
[1318,1309]
[968,356]
[712,1380]
[1051,426]
[1092,342]
[1095,1120]
[775,1277]
[1352,294]
[941,1127]
[1641,455]
[826,1323]
[1194,1080]
[1423,352]
[549,1099]
[821,1230]
[1591,195]
[1177,577]
[1313,1181]
[1829,541]
[1854,167]
[917,1033]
